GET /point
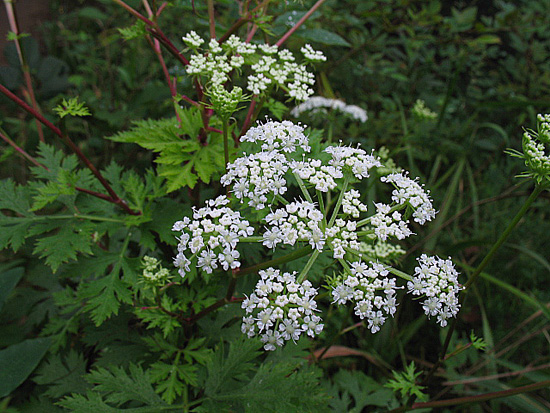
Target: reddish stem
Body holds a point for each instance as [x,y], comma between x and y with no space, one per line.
[14,27]
[21,150]
[155,31]
[300,22]
[211,20]
[242,20]
[68,141]
[23,153]
[249,114]
[161,8]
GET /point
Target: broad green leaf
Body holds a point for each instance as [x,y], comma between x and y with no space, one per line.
[324,37]
[64,245]
[18,361]
[8,281]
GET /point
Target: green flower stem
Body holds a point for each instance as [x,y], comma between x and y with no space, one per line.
[360,254]
[536,192]
[399,273]
[303,188]
[339,202]
[294,255]
[308,266]
[281,199]
[78,216]
[367,220]
[364,233]
[251,239]
[344,264]
[322,209]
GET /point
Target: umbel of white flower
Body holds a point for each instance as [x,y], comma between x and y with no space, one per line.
[270,65]
[282,307]
[316,104]
[437,280]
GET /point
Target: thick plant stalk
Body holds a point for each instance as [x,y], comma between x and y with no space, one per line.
[14,27]
[114,198]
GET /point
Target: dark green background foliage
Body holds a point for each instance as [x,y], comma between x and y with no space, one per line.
[80,330]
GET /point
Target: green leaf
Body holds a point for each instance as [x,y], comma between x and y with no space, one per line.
[13,36]
[62,375]
[405,383]
[8,281]
[71,107]
[134,31]
[18,361]
[234,383]
[71,238]
[182,159]
[92,13]
[324,37]
[105,295]
[114,386]
[364,390]
[14,197]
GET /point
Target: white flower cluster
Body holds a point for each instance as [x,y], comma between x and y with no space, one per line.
[535,152]
[342,235]
[408,191]
[275,67]
[372,291]
[351,204]
[437,280]
[356,159]
[316,104]
[211,237]
[192,39]
[313,55]
[389,224]
[280,309]
[282,136]
[323,177]
[258,175]
[297,221]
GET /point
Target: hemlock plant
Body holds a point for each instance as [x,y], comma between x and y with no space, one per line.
[284,195]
